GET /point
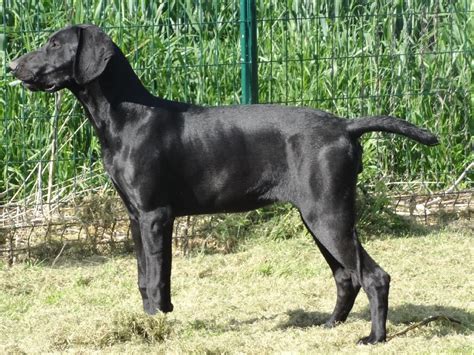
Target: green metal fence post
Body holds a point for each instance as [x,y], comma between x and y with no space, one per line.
[248,48]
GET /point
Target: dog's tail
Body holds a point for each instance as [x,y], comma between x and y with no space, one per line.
[359,126]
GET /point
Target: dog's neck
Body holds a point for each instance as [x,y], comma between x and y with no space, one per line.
[118,87]
[104,97]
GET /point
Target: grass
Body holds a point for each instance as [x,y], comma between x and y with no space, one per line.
[270,295]
[354,58]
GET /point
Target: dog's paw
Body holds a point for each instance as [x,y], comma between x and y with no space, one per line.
[166,307]
[151,309]
[371,339]
[148,308]
[330,323]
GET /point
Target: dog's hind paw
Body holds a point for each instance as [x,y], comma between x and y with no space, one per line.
[371,339]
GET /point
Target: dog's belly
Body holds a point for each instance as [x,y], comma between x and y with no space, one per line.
[230,191]
[190,207]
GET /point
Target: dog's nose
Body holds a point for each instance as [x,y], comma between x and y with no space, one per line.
[13,65]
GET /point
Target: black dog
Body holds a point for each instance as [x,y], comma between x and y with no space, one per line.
[169,159]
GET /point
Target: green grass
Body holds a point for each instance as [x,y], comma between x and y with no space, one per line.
[271,295]
[409,59]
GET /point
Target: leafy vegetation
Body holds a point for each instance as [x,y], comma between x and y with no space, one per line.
[411,59]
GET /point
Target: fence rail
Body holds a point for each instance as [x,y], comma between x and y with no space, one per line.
[354,58]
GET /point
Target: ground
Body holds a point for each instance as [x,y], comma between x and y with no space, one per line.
[268,296]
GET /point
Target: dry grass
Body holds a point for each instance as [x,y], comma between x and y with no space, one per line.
[269,296]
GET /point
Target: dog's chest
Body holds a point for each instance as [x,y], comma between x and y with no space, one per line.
[135,173]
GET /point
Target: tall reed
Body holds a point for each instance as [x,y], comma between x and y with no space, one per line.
[411,59]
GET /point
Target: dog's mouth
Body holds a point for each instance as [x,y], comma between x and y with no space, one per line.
[52,88]
[37,87]
[34,83]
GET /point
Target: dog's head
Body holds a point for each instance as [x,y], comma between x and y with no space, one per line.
[76,54]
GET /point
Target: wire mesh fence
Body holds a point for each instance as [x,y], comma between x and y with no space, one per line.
[411,59]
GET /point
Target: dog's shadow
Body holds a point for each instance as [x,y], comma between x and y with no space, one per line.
[403,314]
[299,318]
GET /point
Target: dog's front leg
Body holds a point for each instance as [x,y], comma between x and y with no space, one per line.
[141,264]
[156,231]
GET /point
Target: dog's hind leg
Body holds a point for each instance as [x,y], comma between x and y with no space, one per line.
[328,211]
[326,199]
[347,284]
[376,283]
[352,266]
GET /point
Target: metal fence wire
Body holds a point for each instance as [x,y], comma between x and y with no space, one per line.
[410,59]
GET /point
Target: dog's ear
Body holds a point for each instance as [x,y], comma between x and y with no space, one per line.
[94,50]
